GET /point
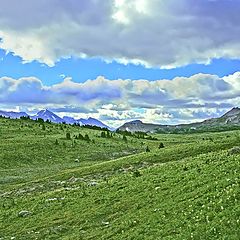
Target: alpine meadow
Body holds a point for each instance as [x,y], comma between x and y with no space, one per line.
[119,120]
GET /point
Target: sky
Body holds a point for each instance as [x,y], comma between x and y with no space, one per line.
[160,61]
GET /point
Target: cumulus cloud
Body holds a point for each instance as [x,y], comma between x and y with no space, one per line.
[154,33]
[115,101]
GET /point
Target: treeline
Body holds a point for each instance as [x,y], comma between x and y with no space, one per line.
[138,134]
[40,120]
[202,129]
[106,134]
[95,127]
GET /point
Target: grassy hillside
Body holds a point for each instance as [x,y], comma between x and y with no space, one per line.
[109,188]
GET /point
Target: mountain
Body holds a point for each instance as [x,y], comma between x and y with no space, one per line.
[13,115]
[139,126]
[229,119]
[47,115]
[232,117]
[69,120]
[92,122]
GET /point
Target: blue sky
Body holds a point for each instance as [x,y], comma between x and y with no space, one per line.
[158,61]
[90,68]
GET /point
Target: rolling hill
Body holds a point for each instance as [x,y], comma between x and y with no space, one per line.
[52,187]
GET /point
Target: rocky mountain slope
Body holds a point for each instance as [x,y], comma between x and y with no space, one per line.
[231,118]
[47,115]
[139,126]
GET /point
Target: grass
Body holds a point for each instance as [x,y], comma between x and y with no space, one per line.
[116,190]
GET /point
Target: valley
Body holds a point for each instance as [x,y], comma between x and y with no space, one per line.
[56,184]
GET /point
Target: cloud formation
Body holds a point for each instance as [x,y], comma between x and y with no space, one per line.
[115,101]
[155,33]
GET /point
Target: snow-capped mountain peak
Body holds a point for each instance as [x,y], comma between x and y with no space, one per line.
[93,122]
[48,115]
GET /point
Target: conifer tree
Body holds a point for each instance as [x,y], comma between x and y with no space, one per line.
[68,135]
[161,145]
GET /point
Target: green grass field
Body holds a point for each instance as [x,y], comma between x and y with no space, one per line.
[108,188]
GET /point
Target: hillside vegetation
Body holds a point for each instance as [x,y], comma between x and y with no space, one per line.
[60,181]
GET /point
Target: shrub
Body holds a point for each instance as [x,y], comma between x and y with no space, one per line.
[87,138]
[161,145]
[68,135]
[80,136]
[147,149]
[108,134]
[234,150]
[103,134]
[124,138]
[136,173]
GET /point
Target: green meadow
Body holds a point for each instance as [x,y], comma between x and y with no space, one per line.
[60,181]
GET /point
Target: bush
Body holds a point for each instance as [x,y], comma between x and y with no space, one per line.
[136,173]
[103,135]
[80,136]
[234,150]
[68,136]
[161,145]
[87,138]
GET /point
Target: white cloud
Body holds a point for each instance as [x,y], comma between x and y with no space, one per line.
[164,101]
[234,80]
[154,33]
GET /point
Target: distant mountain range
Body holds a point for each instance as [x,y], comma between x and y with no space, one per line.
[48,115]
[13,114]
[229,119]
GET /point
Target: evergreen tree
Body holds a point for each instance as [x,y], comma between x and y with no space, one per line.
[103,134]
[68,135]
[87,138]
[136,173]
[161,145]
[124,138]
[147,149]
[40,120]
[80,136]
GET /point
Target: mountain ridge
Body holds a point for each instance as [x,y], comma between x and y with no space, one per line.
[232,117]
[50,116]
